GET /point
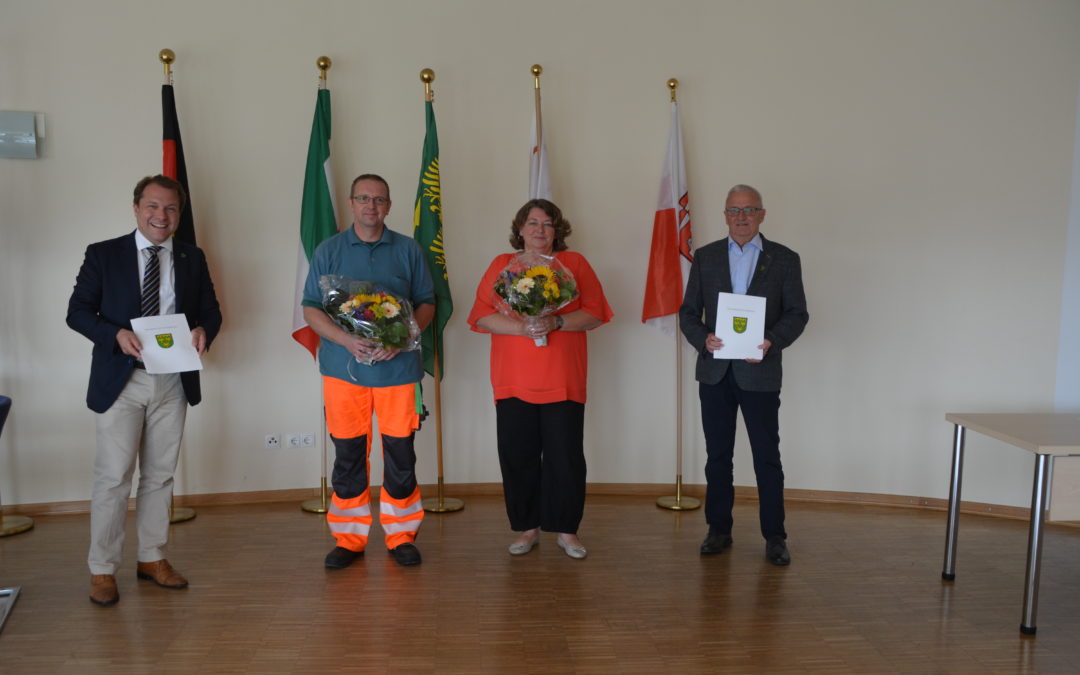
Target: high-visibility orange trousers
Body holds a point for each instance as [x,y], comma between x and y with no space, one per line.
[349,410]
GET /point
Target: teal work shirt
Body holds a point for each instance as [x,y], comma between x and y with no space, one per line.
[396,263]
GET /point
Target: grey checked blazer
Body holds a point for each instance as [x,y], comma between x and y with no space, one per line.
[777,278]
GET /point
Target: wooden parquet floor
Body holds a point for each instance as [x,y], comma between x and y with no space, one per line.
[863,595]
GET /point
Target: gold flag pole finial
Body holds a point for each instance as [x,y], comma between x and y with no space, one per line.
[536,70]
[427,76]
[323,63]
[673,85]
[167,56]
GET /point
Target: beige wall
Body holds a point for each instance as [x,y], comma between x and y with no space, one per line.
[917,154]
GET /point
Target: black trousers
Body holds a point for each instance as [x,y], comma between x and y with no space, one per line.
[720,404]
[543,463]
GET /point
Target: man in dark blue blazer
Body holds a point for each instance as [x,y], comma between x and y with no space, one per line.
[139,416]
[745,263]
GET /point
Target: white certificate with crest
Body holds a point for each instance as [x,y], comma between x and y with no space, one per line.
[166,344]
[740,323]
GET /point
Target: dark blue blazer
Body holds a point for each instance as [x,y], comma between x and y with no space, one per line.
[778,279]
[108,295]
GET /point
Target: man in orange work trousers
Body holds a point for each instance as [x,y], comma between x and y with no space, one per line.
[360,379]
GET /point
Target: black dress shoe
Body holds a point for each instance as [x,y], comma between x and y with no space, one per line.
[715,543]
[776,551]
[340,558]
[406,554]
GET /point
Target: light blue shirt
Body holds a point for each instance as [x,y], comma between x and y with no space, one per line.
[742,261]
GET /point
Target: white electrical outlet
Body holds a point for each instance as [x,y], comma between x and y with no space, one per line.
[307,440]
[273,441]
[292,441]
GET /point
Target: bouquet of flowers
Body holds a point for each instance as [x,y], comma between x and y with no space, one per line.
[533,286]
[367,310]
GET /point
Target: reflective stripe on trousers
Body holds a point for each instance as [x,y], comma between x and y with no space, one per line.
[400,518]
[350,520]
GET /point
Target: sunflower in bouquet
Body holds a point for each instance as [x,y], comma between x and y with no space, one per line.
[532,286]
[369,311]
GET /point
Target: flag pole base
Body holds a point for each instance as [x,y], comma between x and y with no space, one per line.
[314,506]
[180,514]
[317,505]
[678,502]
[674,503]
[10,525]
[441,504]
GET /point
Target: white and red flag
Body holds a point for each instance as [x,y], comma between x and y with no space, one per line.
[672,245]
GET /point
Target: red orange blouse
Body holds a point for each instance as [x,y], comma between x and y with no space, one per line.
[557,371]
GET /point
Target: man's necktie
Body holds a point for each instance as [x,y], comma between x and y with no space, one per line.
[151,285]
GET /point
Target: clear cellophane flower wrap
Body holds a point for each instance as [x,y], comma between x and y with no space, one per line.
[532,286]
[367,310]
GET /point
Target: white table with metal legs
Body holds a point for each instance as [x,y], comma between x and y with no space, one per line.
[1046,435]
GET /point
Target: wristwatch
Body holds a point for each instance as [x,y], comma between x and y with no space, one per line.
[558,322]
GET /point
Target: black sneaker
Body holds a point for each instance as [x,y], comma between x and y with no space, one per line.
[340,558]
[406,554]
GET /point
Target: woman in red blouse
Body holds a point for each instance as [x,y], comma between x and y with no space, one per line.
[540,391]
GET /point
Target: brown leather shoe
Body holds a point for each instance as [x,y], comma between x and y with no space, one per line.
[161,573]
[103,590]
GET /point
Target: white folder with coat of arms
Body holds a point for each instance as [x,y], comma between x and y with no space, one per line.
[740,323]
[166,344]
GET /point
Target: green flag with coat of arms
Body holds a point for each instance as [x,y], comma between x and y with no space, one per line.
[428,232]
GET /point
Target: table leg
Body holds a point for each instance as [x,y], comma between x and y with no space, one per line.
[948,572]
[1035,539]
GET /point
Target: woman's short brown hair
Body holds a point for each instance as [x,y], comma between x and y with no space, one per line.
[562,225]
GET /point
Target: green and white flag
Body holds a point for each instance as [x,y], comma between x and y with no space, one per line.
[318,219]
[428,232]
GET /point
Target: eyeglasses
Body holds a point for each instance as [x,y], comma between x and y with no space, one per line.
[746,210]
[366,199]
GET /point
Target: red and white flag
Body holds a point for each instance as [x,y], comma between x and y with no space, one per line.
[672,246]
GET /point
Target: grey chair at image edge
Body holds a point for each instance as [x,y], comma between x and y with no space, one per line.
[17,524]
[10,524]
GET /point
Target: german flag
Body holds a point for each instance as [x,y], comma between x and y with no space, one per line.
[172,159]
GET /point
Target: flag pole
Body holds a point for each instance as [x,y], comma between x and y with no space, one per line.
[319,505]
[536,71]
[678,502]
[440,503]
[177,514]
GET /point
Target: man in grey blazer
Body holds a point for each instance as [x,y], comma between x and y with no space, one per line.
[747,263]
